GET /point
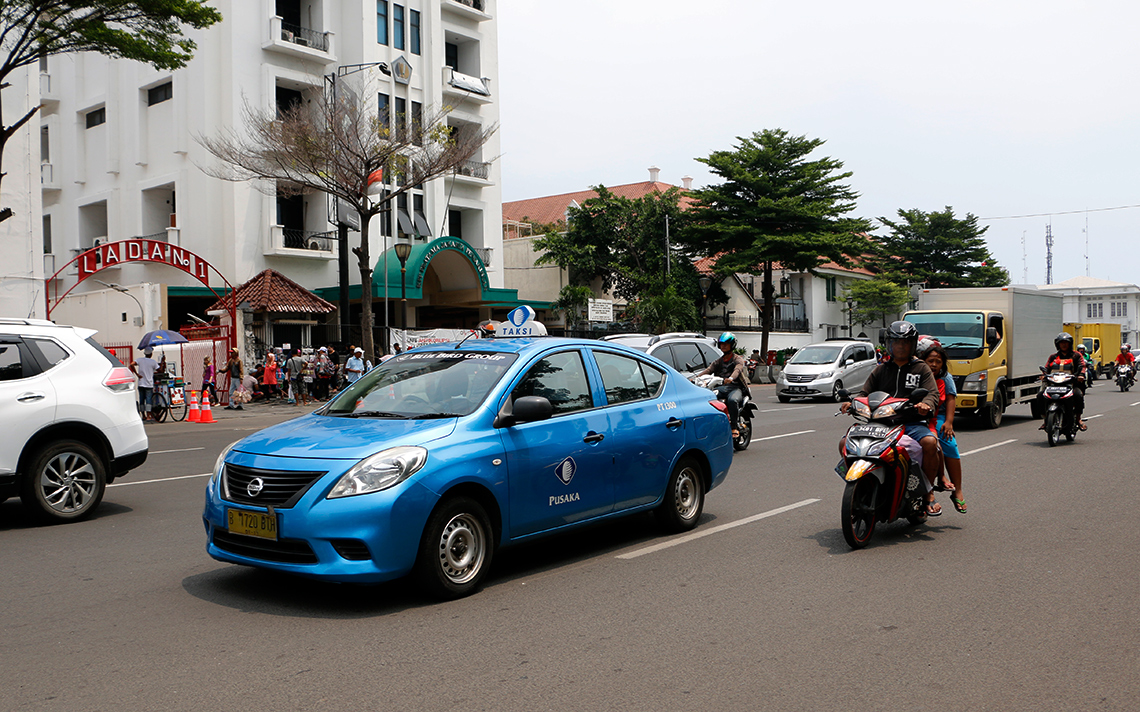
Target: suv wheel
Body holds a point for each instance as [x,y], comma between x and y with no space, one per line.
[65,482]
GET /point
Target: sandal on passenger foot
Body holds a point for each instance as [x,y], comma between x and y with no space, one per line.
[943,485]
[735,434]
[1083,426]
[959,505]
[933,509]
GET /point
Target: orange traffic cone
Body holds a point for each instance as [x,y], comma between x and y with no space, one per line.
[206,416]
[194,415]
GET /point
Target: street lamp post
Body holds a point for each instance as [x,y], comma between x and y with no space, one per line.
[403,249]
[705,283]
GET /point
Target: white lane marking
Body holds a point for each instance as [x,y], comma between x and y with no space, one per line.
[1130,405]
[163,479]
[185,449]
[781,410]
[990,447]
[785,435]
[713,530]
[1090,417]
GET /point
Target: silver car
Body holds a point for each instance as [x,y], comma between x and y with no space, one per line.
[688,352]
[822,369]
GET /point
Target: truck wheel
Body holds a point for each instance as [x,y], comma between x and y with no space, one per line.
[994,411]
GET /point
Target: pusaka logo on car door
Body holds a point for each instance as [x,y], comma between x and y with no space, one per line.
[565,472]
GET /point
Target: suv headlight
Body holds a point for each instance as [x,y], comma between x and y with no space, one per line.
[975,383]
[385,469]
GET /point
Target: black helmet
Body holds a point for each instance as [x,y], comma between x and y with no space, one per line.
[485,329]
[1063,336]
[902,330]
[727,338]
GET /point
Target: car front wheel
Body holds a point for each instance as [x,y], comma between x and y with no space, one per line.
[65,482]
[456,549]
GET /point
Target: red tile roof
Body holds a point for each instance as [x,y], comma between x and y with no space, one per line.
[552,208]
[271,291]
[707,265]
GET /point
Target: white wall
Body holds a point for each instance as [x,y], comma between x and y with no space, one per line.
[21,236]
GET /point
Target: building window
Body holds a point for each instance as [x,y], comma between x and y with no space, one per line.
[401,118]
[96,117]
[382,22]
[1112,310]
[417,123]
[451,55]
[455,223]
[160,93]
[414,31]
[832,290]
[47,234]
[398,26]
[383,109]
[45,145]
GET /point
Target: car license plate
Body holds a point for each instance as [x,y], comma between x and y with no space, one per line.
[258,524]
[797,389]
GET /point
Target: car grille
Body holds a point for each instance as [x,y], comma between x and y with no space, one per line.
[796,378]
[958,381]
[284,551]
[278,488]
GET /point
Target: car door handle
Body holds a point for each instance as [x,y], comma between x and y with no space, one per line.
[674,423]
[593,437]
[30,397]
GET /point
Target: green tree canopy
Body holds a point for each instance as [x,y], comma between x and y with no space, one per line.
[938,249]
[775,207]
[873,301]
[149,31]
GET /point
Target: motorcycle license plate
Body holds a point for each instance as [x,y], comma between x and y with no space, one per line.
[869,431]
[1057,390]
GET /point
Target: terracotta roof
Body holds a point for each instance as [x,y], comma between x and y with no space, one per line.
[707,265]
[552,208]
[271,291]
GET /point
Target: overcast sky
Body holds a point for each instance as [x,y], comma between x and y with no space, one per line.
[995,108]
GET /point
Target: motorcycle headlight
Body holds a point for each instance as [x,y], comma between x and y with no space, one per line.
[385,469]
[975,383]
[221,462]
[878,448]
[825,374]
[862,409]
[885,411]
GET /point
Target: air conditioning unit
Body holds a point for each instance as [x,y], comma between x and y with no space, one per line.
[287,35]
[314,245]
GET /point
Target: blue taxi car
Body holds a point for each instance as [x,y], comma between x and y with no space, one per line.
[439,456]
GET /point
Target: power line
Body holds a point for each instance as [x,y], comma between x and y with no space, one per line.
[1064,212]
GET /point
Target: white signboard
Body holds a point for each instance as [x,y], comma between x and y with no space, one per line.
[601,310]
[520,322]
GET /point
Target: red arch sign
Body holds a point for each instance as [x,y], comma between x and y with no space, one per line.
[113,254]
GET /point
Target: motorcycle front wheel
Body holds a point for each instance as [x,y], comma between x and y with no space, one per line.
[1053,427]
[742,441]
[858,512]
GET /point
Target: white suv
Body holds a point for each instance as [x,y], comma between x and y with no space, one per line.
[68,408]
[685,351]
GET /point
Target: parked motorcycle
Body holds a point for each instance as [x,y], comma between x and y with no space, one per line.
[1125,377]
[882,483]
[1059,388]
[747,410]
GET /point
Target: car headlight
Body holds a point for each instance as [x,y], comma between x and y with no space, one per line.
[221,462]
[385,469]
[975,383]
[825,374]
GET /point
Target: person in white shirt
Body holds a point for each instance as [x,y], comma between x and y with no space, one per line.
[354,368]
[144,368]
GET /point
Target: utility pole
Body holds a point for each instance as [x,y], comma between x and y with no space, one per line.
[1049,253]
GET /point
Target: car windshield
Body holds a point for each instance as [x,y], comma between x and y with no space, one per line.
[951,330]
[432,384]
[815,355]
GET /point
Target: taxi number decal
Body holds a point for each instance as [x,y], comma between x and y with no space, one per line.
[564,499]
[667,405]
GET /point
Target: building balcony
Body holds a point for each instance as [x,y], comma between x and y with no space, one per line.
[48,180]
[471,9]
[49,95]
[717,322]
[486,254]
[470,88]
[473,173]
[301,42]
[304,244]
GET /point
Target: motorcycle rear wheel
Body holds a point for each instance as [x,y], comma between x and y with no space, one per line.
[858,512]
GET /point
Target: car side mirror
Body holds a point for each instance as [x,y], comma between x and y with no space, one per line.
[917,394]
[848,362]
[526,409]
[992,336]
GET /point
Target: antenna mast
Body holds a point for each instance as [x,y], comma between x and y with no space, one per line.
[1024,261]
[1049,253]
[1088,262]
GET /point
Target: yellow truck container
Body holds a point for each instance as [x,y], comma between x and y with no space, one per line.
[996,338]
[1101,340]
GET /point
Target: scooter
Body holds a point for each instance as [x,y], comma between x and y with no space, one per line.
[1124,377]
[747,410]
[1058,389]
[882,483]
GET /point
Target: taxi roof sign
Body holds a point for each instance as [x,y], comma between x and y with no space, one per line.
[520,322]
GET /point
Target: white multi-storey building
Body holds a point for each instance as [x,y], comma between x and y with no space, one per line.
[121,160]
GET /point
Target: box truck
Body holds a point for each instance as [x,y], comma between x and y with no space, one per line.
[996,338]
[1102,342]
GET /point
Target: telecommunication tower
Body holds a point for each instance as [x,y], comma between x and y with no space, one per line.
[1049,254]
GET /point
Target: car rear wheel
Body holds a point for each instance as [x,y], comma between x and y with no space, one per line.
[455,550]
[684,497]
[65,482]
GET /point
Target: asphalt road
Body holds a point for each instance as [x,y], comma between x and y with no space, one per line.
[1029,602]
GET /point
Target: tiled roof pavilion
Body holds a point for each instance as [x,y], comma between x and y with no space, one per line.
[271,291]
